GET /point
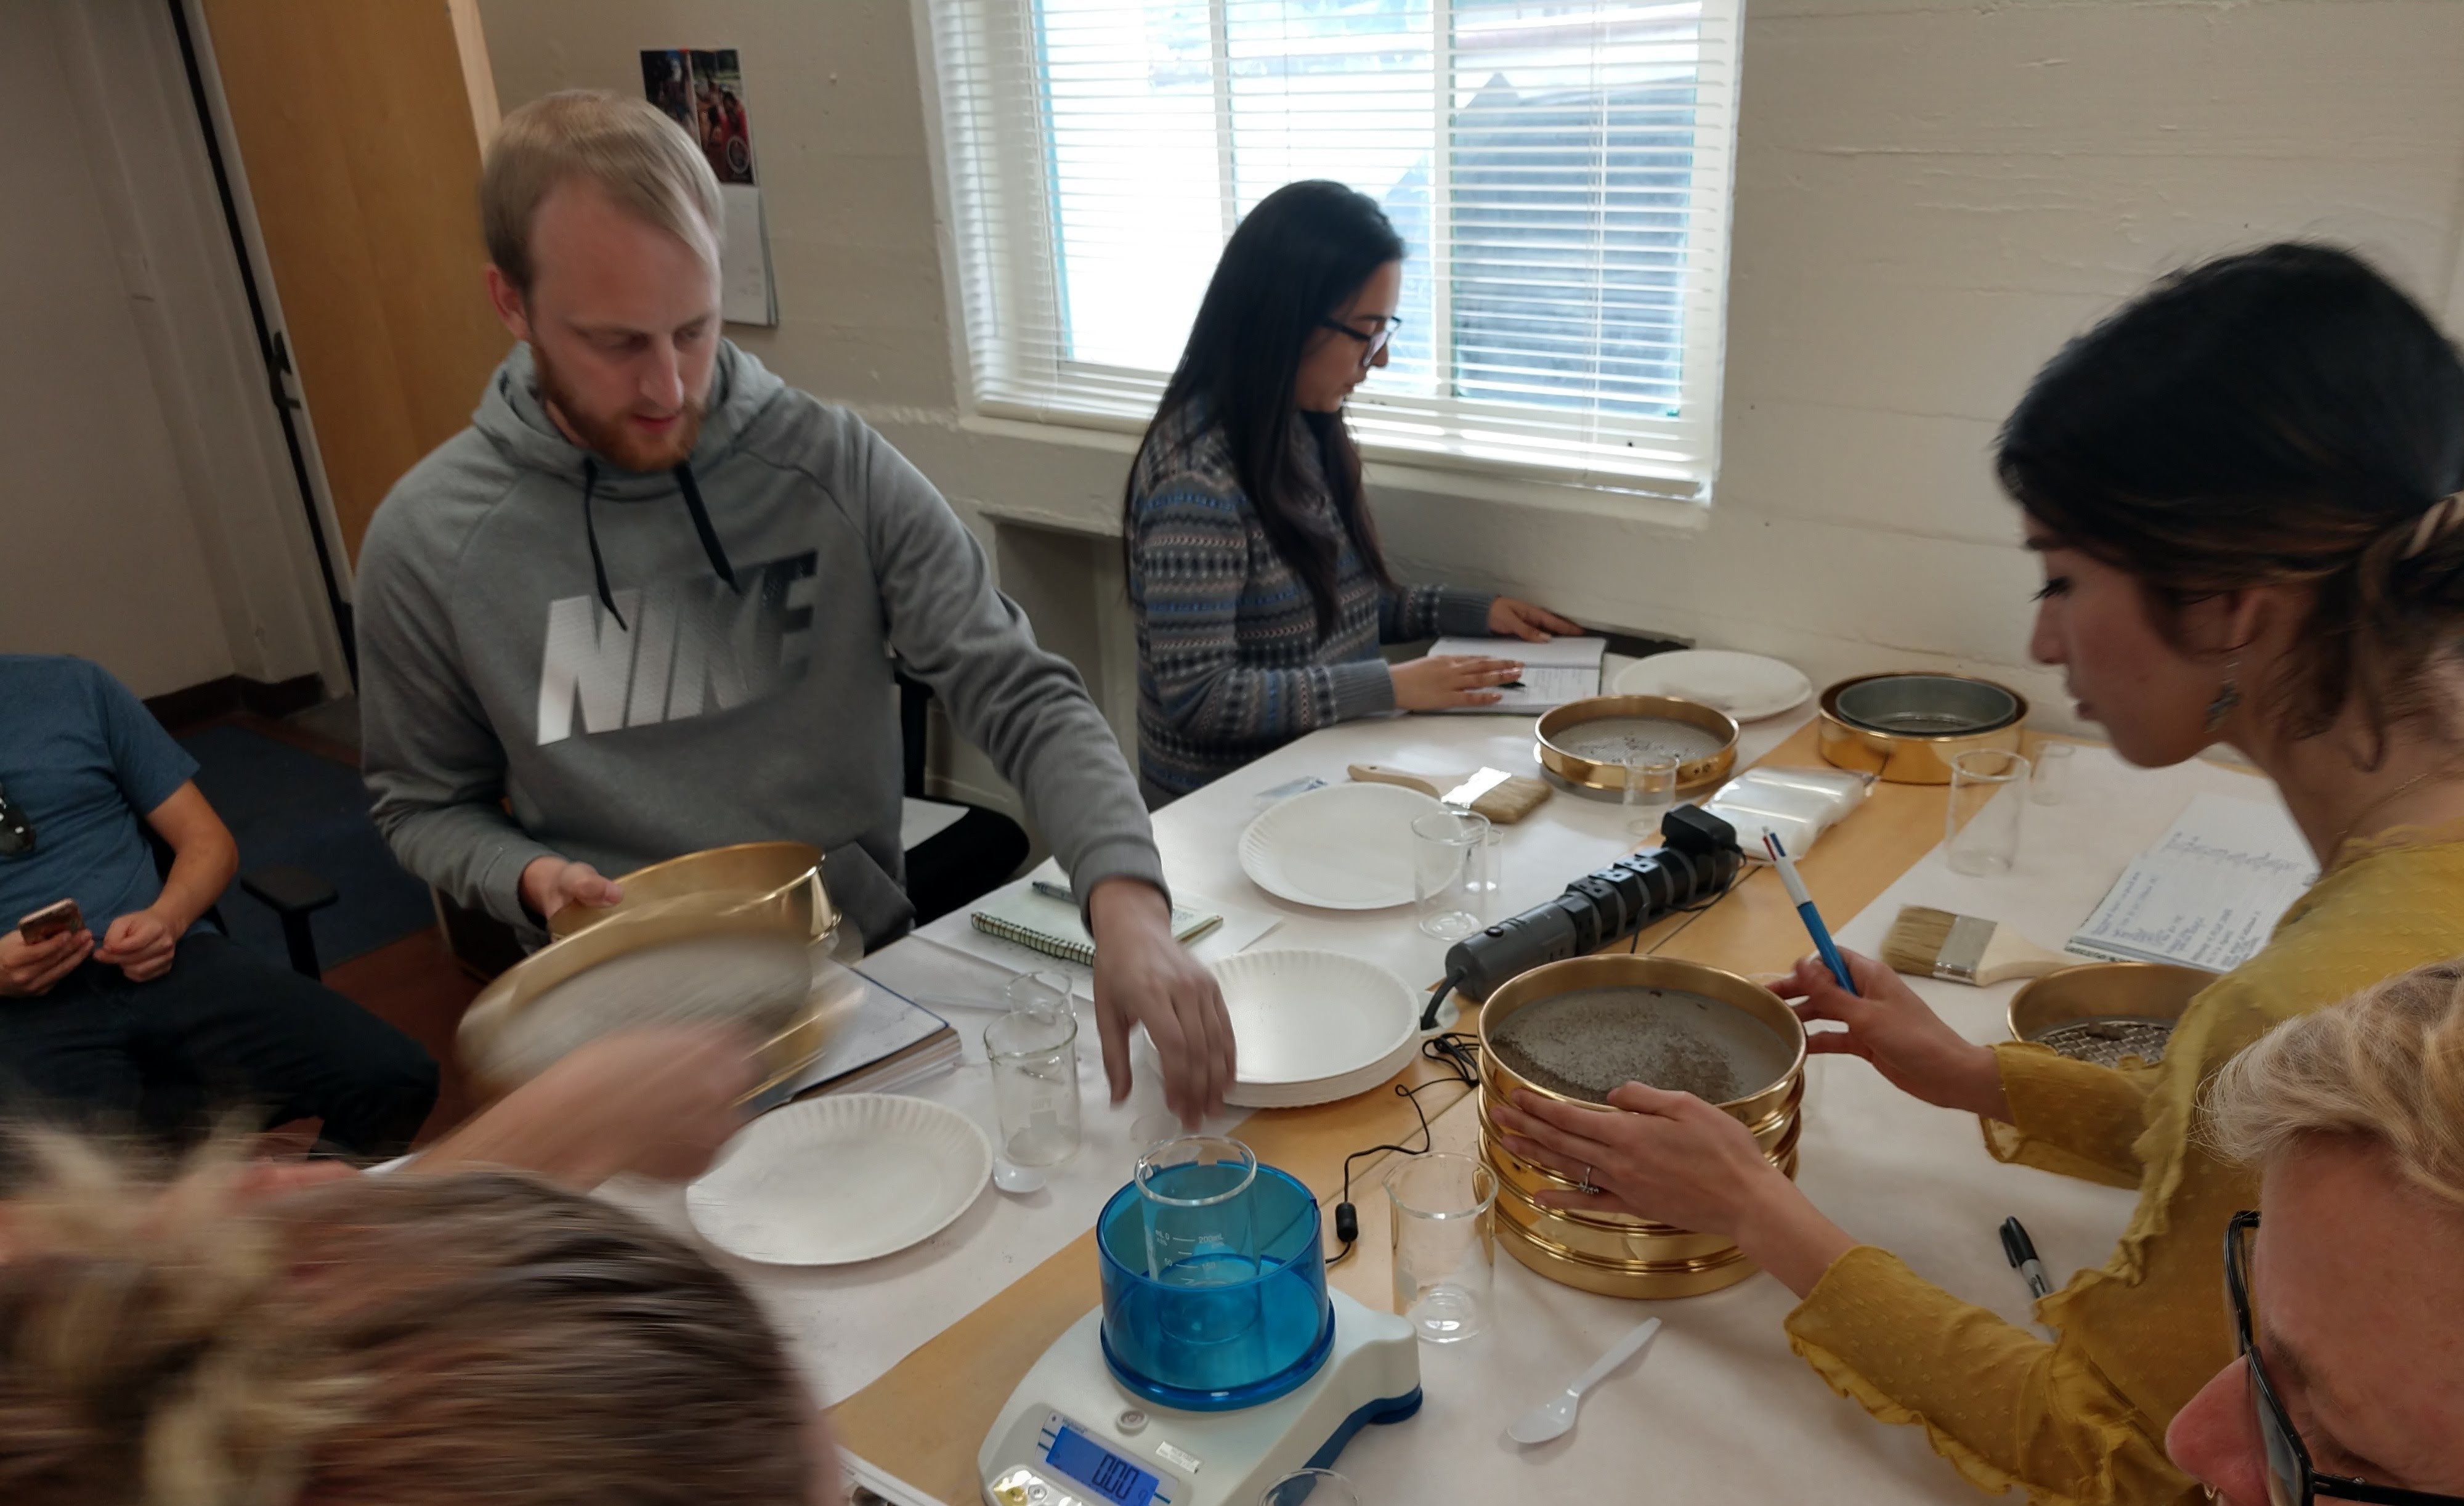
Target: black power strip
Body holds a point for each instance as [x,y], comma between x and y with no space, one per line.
[1698,864]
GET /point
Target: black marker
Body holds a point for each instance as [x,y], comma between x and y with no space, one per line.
[2022,1252]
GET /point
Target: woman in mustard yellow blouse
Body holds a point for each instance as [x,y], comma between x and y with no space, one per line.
[2244,490]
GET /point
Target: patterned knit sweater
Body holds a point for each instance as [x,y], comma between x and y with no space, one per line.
[1230,665]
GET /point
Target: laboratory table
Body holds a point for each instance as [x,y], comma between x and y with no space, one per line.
[919,1350]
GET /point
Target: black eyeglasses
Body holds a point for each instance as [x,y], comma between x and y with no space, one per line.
[2291,1481]
[1371,344]
[17,832]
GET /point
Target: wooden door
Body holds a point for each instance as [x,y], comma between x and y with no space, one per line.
[359,130]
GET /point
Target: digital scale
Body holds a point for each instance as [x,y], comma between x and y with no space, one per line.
[1072,1435]
[1185,1388]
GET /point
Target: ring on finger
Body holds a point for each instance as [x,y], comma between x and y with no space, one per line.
[1586,1185]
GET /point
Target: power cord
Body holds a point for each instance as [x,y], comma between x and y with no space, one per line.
[1460,1055]
[1634,942]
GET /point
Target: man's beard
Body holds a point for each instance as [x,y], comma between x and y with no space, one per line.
[614,438]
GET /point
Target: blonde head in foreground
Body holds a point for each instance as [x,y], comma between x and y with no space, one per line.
[480,1339]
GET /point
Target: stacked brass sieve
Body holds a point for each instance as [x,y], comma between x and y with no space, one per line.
[1614,1253]
[756,889]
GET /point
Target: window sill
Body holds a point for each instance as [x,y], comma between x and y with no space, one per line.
[1387,468]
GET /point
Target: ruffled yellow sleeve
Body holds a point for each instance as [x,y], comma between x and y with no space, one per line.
[2006,1407]
[2071,1117]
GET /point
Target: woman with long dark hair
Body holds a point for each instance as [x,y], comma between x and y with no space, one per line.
[2247,488]
[1257,587]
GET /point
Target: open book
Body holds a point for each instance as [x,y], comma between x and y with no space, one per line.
[2207,896]
[892,1043]
[1553,673]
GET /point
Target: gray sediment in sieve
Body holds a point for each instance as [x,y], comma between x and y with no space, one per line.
[1613,740]
[1591,1041]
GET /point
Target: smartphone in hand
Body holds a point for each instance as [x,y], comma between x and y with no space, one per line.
[52,919]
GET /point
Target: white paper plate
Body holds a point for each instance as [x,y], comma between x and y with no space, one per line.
[1314,1027]
[1747,686]
[1346,847]
[841,1178]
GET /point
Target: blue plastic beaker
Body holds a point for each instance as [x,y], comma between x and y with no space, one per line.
[1215,1343]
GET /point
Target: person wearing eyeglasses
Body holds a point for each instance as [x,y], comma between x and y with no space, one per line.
[2347,1303]
[1257,585]
[116,1008]
[2246,488]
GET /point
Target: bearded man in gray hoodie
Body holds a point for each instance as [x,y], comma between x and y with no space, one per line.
[648,602]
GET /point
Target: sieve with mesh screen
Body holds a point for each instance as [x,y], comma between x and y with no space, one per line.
[761,981]
[1588,1042]
[2106,1040]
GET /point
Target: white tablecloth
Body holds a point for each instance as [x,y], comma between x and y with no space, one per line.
[1718,1409]
[852,1324]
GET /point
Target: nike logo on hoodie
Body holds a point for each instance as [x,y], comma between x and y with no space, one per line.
[692,645]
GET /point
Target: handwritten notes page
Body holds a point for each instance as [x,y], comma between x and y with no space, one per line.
[2209,893]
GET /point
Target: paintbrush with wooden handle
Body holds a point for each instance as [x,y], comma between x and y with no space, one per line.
[1961,948]
[1502,797]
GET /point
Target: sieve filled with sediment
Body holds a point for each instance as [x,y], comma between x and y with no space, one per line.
[1574,1031]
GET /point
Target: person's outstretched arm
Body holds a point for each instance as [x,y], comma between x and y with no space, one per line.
[2005,1407]
[1029,710]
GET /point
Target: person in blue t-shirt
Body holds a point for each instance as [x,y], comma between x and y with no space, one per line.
[138,1016]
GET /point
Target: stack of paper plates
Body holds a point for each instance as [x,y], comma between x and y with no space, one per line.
[1747,686]
[1345,847]
[1314,1027]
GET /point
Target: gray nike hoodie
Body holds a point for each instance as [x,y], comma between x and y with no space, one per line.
[642,666]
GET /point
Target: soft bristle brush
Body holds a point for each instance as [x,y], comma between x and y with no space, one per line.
[1961,948]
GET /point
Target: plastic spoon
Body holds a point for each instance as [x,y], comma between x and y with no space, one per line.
[1551,1418]
[1019,1180]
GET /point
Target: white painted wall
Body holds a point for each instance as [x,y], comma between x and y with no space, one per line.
[101,558]
[1931,196]
[147,520]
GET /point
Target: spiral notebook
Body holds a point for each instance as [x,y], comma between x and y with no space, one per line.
[1052,925]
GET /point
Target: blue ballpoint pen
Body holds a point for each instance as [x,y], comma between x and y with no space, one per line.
[1806,912]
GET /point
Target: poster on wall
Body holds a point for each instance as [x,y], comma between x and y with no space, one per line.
[704,93]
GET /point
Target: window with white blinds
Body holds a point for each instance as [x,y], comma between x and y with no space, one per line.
[1559,169]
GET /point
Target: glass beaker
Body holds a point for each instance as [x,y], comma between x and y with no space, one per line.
[1445,1256]
[1194,1190]
[2051,783]
[1310,1488]
[1450,882]
[1034,1054]
[1981,824]
[1650,790]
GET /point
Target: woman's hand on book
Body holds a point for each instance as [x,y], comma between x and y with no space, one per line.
[1438,683]
[1509,618]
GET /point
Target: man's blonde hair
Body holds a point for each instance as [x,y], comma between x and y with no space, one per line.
[638,155]
[2386,1065]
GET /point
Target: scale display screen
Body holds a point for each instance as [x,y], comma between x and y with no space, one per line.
[1100,1470]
